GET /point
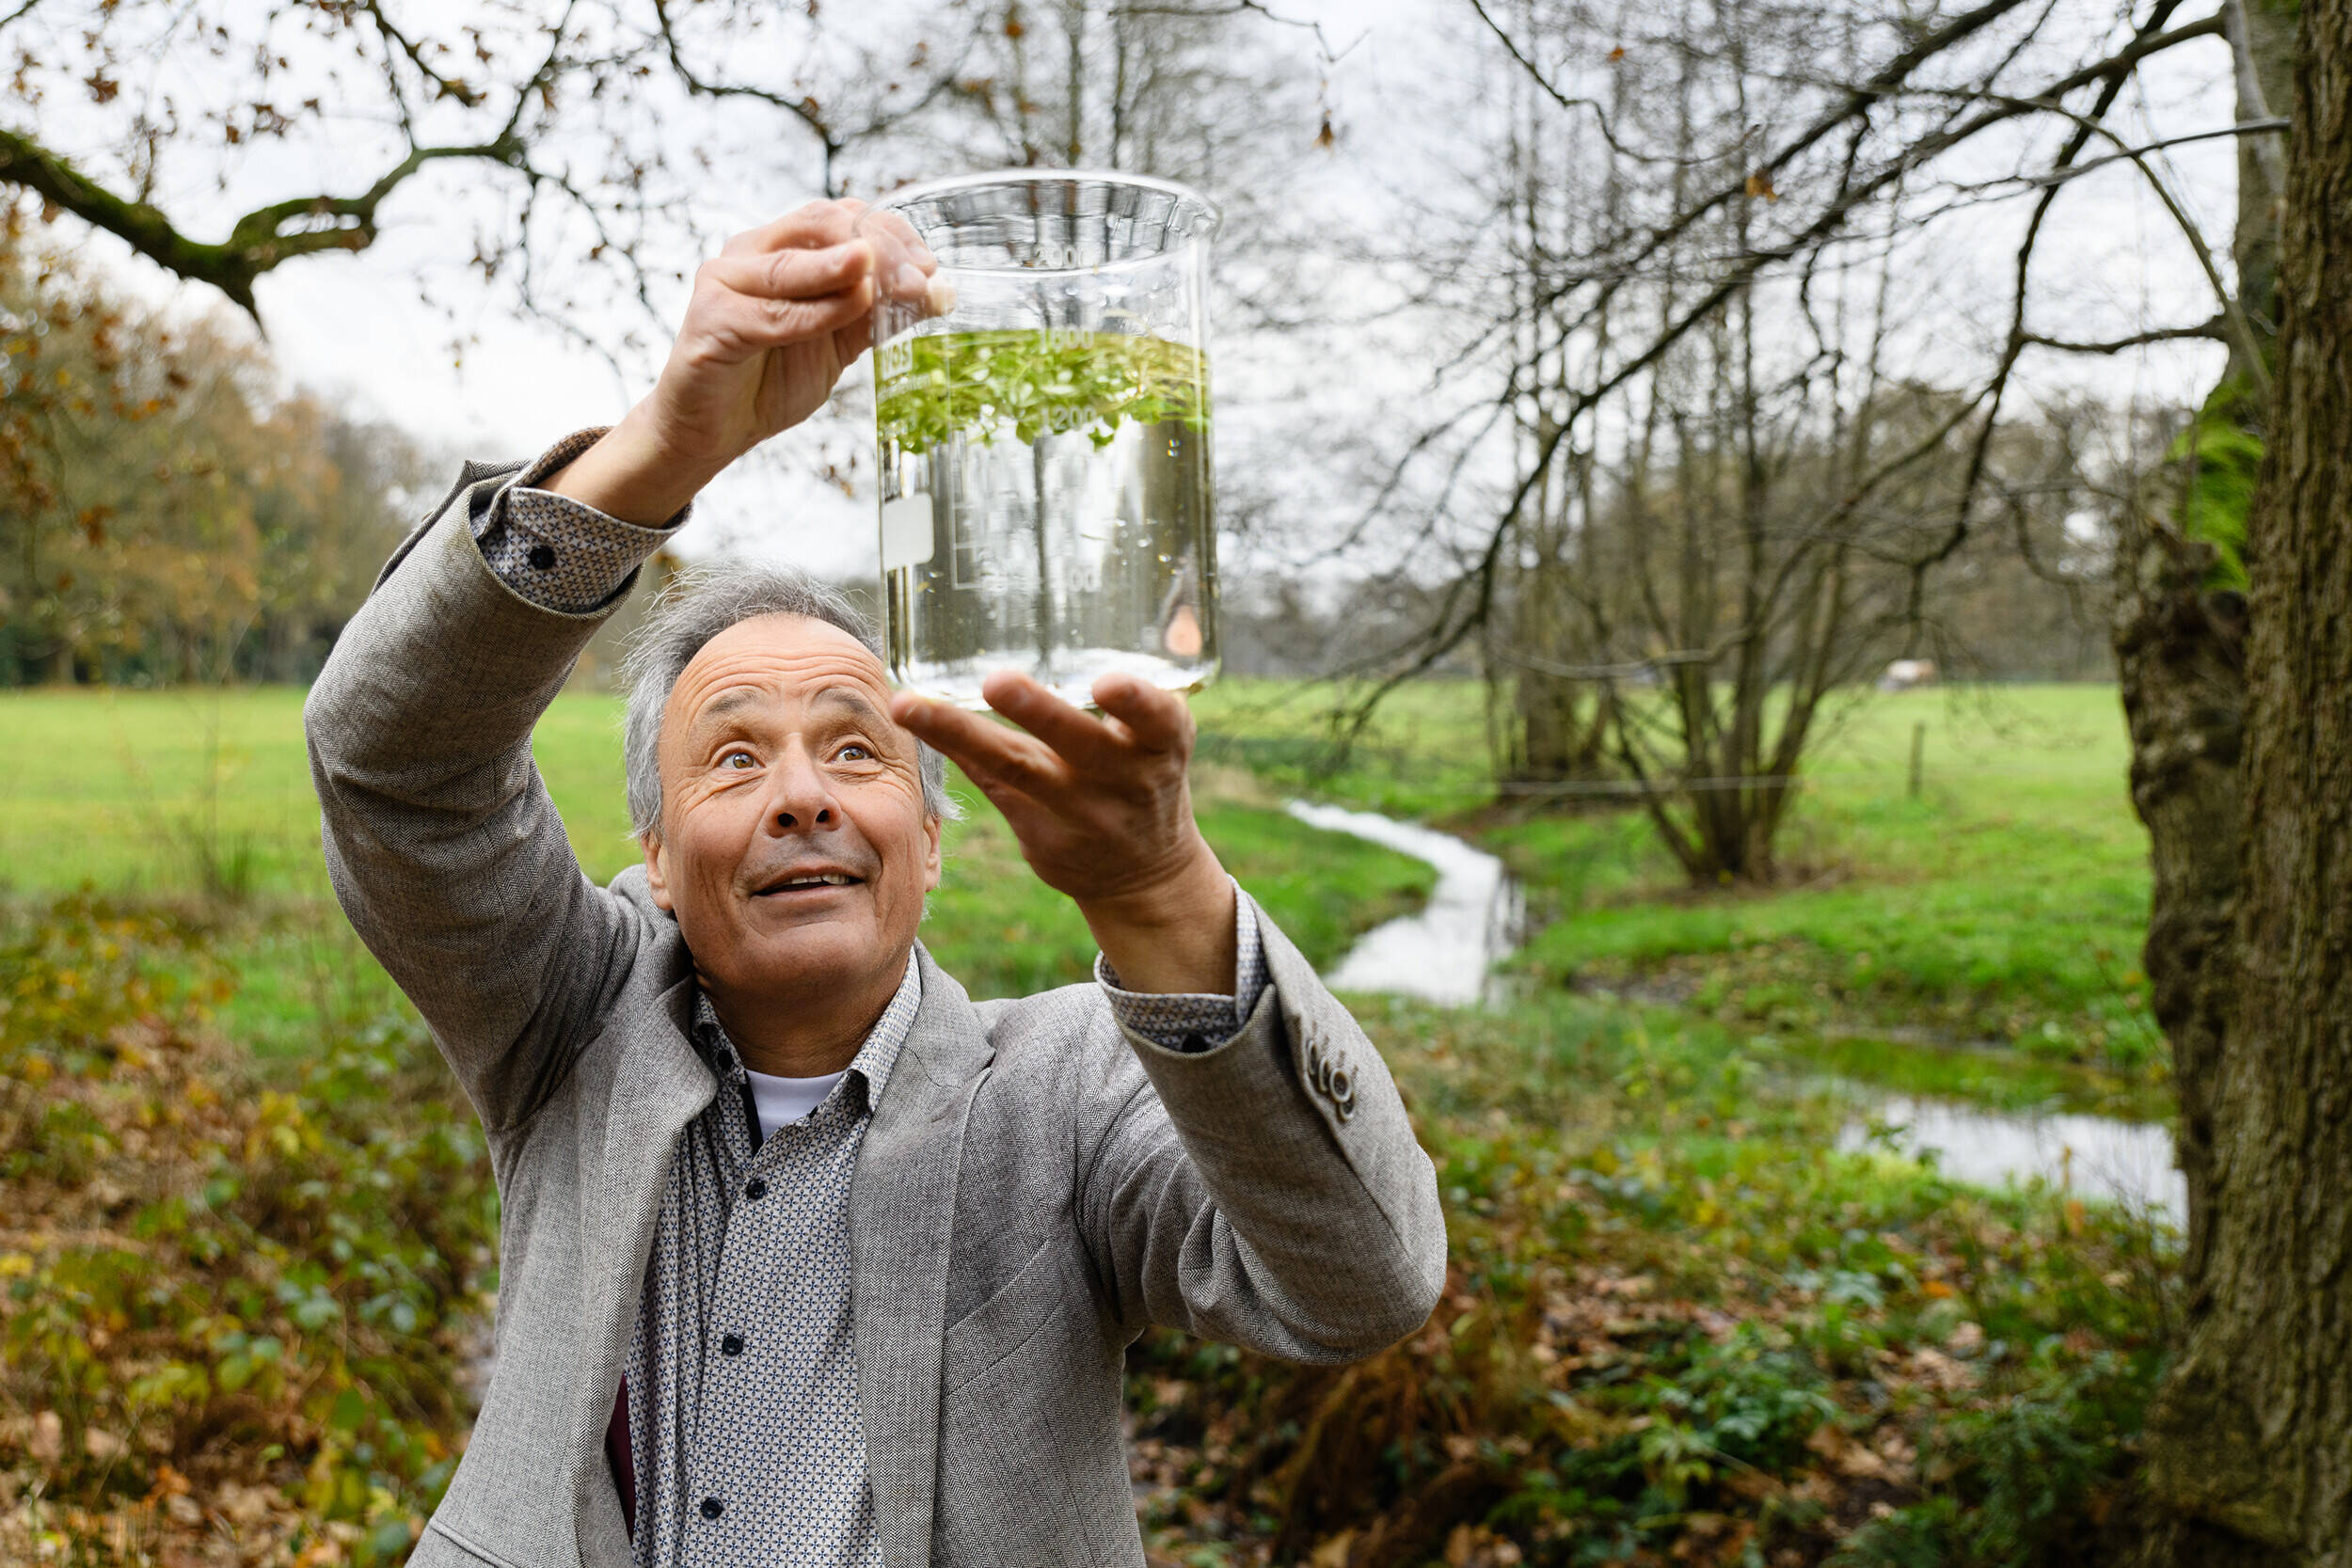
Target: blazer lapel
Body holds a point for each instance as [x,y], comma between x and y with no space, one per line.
[659,1084]
[903,1204]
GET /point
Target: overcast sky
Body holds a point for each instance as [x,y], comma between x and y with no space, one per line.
[483,383]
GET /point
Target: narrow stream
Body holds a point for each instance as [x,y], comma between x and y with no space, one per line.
[1447,953]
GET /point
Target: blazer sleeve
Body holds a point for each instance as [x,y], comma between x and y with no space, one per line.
[442,845]
[1268,1191]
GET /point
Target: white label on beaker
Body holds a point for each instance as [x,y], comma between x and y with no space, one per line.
[906,532]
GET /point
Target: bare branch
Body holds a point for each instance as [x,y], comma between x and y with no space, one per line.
[1324,51]
[259,241]
[2215,330]
[2111,88]
[1536,75]
[2275,124]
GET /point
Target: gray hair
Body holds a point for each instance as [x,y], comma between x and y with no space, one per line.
[697,605]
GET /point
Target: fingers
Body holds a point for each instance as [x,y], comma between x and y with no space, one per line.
[894,226]
[988,754]
[1159,721]
[821,269]
[752,322]
[1074,734]
[791,274]
[900,275]
[767,301]
[805,227]
[1065,745]
[901,262]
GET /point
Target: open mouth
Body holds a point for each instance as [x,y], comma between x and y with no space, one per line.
[807,881]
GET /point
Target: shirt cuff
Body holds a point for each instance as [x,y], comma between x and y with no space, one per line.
[558,553]
[1193,1021]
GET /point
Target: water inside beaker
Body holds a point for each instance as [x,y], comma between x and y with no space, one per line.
[1047,498]
[1051,496]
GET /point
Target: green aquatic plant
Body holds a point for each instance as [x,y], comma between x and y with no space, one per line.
[932,389]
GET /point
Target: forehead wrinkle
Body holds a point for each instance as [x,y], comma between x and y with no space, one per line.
[745,693]
[724,706]
[755,665]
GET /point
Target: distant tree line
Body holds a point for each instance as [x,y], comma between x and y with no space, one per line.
[166,516]
[2024,603]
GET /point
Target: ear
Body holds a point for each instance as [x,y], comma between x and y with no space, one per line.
[932,826]
[657,877]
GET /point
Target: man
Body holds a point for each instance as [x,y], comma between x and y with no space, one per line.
[808,1258]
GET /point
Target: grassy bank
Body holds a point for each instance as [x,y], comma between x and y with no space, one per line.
[2005,903]
[249,1224]
[1678,1331]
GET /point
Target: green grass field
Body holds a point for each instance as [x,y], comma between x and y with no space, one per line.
[172,795]
[2005,903]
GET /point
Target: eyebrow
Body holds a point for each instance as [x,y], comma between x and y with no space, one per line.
[726,703]
[738,698]
[851,698]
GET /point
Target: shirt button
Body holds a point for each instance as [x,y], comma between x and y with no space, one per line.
[712,1508]
[732,1344]
[542,557]
[755,1188]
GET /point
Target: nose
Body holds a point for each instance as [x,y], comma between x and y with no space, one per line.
[800,799]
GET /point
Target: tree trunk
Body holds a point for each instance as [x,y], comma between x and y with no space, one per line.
[1560,734]
[2262,41]
[2179,654]
[2251,1438]
[2179,646]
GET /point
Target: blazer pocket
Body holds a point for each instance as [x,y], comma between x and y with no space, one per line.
[1011,1317]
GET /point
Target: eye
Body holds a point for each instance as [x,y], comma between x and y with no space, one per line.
[737,759]
[856,751]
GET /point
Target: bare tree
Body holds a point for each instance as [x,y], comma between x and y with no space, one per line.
[1705,355]
[138,116]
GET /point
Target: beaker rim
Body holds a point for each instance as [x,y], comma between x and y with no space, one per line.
[1212,215]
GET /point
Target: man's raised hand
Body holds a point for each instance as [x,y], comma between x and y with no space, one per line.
[774,319]
[1103,813]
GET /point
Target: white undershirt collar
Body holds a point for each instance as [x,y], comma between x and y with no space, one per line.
[783,1101]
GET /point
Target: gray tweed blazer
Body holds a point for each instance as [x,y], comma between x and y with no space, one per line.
[1036,1185]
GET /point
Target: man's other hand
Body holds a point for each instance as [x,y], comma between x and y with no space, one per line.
[774,319]
[1103,813]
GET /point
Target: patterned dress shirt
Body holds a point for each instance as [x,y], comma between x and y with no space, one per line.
[744,1440]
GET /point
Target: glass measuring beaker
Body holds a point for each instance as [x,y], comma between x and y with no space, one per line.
[1047,502]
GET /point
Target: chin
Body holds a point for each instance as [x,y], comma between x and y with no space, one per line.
[799,956]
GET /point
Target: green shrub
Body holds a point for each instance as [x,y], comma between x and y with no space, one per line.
[218,1287]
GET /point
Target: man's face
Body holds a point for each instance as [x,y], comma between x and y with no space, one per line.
[794,848]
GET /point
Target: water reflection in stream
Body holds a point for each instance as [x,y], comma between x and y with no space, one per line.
[1447,953]
[2095,1157]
